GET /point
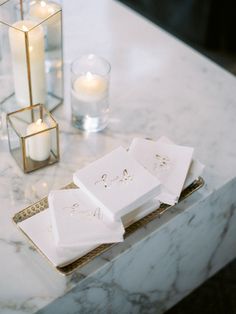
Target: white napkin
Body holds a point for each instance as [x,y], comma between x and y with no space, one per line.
[76,220]
[39,229]
[140,212]
[168,162]
[117,183]
[196,167]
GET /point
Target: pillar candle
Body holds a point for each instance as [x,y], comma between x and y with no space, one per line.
[19,62]
[38,146]
[90,87]
[40,10]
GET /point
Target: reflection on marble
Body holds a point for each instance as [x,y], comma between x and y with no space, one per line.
[159,86]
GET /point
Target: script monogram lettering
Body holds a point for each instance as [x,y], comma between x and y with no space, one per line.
[108,181]
[75,210]
[162,162]
[126,177]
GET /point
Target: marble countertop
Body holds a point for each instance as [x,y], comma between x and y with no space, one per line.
[159,86]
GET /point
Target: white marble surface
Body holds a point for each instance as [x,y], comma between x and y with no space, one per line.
[159,86]
[164,265]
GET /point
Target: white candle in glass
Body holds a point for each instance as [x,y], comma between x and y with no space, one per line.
[40,10]
[90,87]
[38,146]
[19,62]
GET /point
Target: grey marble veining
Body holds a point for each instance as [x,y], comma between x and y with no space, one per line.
[159,86]
[165,264]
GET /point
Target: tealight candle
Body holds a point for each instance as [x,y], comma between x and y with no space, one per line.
[41,10]
[38,145]
[19,62]
[90,87]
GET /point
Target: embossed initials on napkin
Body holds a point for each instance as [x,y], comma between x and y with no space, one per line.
[168,162]
[78,221]
[161,163]
[117,183]
[76,210]
[107,181]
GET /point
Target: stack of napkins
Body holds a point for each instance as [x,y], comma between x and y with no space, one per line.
[168,162]
[162,166]
[114,191]
[196,167]
[117,183]
[76,221]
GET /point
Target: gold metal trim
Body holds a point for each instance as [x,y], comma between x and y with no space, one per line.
[57,99]
[58,142]
[31,108]
[9,121]
[4,2]
[80,262]
[28,165]
[22,17]
[47,18]
[27,54]
[21,10]
[23,153]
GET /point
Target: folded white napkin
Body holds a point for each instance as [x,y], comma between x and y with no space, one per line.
[117,183]
[140,212]
[76,220]
[196,167]
[39,229]
[168,162]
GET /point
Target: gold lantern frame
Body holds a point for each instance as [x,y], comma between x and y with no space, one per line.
[17,123]
[12,11]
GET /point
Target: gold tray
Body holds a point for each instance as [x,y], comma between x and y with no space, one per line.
[68,269]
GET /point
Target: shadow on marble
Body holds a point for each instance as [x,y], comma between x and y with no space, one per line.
[215,296]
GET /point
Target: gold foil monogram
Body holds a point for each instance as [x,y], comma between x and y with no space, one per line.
[162,162]
[126,177]
[107,182]
[97,213]
[104,180]
[75,210]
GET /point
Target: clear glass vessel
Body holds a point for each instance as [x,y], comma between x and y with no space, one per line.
[31,59]
[33,137]
[90,76]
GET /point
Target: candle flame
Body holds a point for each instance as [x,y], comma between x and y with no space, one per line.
[91,56]
[24,28]
[89,76]
[43,4]
[39,121]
